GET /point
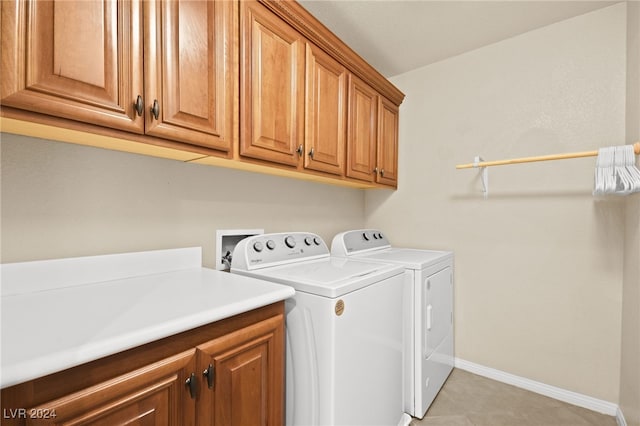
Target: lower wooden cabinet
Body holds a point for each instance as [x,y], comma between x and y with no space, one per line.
[151,395]
[228,373]
[243,377]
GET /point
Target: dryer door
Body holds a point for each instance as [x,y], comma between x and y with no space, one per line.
[437,309]
[434,328]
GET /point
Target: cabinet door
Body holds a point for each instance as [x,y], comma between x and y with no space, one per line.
[152,396]
[361,130]
[271,87]
[189,71]
[246,368]
[387,158]
[80,60]
[325,113]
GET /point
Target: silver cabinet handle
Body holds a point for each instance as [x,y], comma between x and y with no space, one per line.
[192,385]
[139,106]
[311,153]
[208,373]
[155,109]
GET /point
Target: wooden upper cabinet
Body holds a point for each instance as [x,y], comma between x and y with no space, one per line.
[154,395]
[80,60]
[387,158]
[362,130]
[271,87]
[189,73]
[325,114]
[350,125]
[372,132]
[244,380]
[255,81]
[83,60]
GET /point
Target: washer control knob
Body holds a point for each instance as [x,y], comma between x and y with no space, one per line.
[380,235]
[271,244]
[365,236]
[290,241]
[308,241]
[316,241]
[375,236]
[257,246]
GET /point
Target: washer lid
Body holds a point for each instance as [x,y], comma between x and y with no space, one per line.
[409,258]
[328,277]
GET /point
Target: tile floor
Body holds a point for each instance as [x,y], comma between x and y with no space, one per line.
[467,399]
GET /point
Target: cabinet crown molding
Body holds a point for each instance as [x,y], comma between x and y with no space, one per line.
[299,18]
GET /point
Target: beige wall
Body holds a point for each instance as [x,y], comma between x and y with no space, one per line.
[63,200]
[630,361]
[539,264]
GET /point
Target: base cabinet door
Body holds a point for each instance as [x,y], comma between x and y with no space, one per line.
[155,395]
[243,377]
[229,372]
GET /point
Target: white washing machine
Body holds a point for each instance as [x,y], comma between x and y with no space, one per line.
[428,320]
[344,330]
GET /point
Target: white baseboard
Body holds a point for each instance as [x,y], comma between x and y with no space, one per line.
[564,395]
[620,418]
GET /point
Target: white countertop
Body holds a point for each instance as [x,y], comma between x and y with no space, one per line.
[50,329]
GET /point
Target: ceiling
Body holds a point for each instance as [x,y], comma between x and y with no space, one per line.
[396,36]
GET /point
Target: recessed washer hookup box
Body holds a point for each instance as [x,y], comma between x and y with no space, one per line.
[226,241]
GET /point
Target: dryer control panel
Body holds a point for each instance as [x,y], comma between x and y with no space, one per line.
[264,250]
[352,242]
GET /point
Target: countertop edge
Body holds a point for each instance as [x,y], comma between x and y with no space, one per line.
[51,363]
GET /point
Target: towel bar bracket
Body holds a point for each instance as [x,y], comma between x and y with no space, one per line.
[484,175]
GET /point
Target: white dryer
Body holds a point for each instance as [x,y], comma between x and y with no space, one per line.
[344,330]
[428,312]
